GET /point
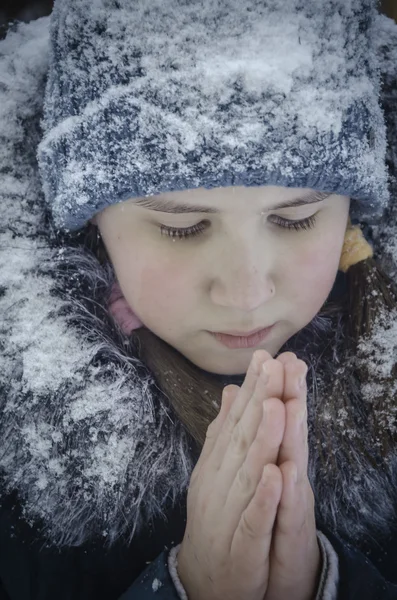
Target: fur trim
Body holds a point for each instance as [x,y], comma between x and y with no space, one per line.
[328,587]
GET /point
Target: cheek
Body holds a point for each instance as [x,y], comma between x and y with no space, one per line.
[162,287]
[314,271]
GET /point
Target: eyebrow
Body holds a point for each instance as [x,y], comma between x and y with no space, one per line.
[170,206]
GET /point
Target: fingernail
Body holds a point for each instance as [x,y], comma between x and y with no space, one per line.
[302,381]
[265,374]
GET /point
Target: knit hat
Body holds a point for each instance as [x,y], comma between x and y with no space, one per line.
[148,97]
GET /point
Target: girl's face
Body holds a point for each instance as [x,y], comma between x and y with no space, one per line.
[242,271]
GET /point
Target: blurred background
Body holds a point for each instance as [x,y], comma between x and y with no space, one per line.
[22,10]
[390,8]
[26,10]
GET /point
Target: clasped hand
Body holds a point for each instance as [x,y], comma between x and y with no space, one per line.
[251,529]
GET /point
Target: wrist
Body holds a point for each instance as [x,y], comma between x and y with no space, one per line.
[184,575]
[317,577]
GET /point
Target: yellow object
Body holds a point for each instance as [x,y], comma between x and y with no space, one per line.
[355,248]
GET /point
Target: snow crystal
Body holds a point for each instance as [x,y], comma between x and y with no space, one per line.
[42,339]
[380,351]
[156,584]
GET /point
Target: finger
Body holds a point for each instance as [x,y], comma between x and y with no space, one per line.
[212,452]
[239,406]
[294,371]
[287,357]
[294,445]
[235,444]
[294,537]
[240,428]
[264,450]
[253,535]
[229,395]
[296,508]
[249,383]
[273,371]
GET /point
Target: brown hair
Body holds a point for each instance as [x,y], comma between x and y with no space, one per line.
[371,297]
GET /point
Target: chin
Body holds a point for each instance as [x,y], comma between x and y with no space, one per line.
[225,366]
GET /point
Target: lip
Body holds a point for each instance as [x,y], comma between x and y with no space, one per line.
[243,333]
[250,341]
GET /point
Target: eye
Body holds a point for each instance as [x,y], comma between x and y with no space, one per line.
[307,223]
[195,230]
[183,233]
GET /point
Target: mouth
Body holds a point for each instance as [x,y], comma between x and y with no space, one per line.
[243,333]
[233,341]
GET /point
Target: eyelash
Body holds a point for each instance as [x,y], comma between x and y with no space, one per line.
[190,232]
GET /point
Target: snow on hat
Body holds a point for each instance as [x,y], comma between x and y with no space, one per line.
[148,97]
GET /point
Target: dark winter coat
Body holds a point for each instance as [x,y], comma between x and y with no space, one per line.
[94,463]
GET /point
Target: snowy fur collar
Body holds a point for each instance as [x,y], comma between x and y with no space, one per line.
[88,440]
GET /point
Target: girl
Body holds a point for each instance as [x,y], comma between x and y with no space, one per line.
[175,177]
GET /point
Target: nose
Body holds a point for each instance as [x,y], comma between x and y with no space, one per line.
[244,283]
